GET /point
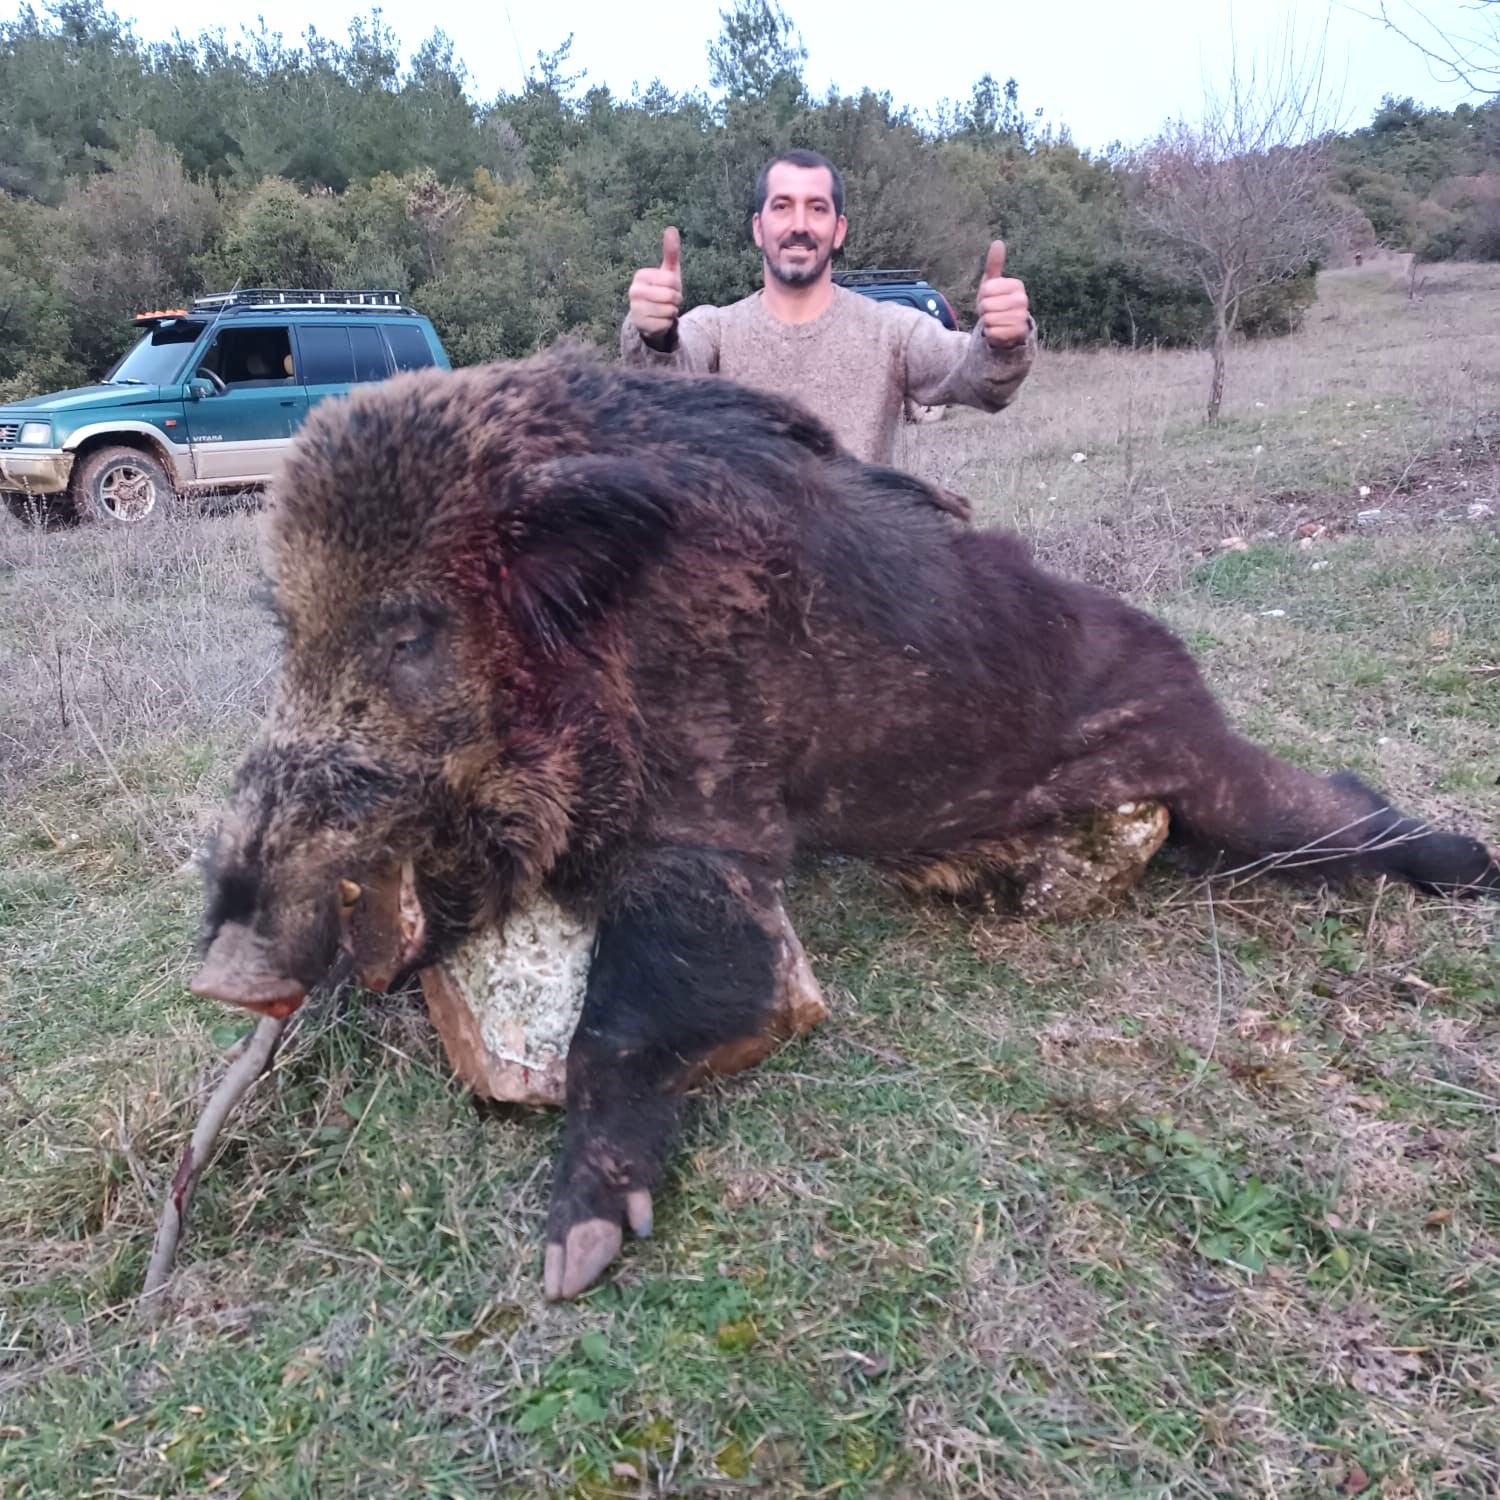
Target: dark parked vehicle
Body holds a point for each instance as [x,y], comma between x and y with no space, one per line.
[905,286]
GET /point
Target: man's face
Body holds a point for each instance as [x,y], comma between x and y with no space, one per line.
[797,227]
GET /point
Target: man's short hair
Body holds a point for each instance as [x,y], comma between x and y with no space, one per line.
[799,158]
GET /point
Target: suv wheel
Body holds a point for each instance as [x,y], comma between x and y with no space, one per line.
[121,484]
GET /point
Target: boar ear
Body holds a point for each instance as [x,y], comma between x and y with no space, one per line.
[584,528]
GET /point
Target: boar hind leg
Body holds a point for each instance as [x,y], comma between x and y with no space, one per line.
[684,962]
[1250,810]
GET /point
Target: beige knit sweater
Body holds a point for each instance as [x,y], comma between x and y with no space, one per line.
[852,367]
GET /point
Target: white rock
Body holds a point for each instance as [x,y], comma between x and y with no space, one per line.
[531,978]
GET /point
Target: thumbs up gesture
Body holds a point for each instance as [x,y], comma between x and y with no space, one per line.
[1003,310]
[656,291]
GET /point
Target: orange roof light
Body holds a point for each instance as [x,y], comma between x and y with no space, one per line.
[165,312]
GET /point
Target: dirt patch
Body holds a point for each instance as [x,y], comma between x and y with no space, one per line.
[1461,482]
[1152,548]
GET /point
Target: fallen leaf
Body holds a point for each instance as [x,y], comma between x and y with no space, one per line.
[1356,1481]
[751,1187]
[1438,1216]
[298,1369]
[1418,983]
[1372,1104]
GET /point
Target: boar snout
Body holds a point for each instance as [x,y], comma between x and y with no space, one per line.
[240,969]
[302,847]
[269,936]
[266,958]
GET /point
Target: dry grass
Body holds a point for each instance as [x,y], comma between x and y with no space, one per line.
[1373,392]
[1202,1198]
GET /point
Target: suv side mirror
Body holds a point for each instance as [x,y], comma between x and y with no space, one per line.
[198,388]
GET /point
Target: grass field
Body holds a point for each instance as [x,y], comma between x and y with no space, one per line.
[1201,1198]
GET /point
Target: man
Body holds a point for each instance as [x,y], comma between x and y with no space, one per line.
[848,359]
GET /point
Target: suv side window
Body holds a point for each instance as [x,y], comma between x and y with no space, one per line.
[370,362]
[249,358]
[326,356]
[408,346]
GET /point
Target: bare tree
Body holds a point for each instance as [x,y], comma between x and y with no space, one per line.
[1467,54]
[437,211]
[1239,200]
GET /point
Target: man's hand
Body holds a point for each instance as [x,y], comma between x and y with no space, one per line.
[656,291]
[1004,313]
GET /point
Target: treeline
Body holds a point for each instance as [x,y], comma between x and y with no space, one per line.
[136,174]
[1426,180]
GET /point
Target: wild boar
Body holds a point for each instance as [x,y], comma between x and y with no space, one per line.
[627,642]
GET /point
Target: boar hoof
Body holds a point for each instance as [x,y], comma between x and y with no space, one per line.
[576,1262]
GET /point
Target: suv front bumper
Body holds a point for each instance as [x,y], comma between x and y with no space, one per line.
[35,471]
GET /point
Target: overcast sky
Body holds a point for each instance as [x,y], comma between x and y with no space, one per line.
[1106,69]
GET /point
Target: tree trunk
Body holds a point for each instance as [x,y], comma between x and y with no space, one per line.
[1216,390]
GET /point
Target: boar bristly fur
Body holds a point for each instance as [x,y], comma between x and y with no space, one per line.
[631,640]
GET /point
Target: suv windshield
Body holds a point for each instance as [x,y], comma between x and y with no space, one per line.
[160,355]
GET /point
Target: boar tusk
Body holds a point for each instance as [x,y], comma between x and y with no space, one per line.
[412,918]
[349,893]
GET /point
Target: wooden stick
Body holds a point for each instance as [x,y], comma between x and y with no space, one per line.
[246,1068]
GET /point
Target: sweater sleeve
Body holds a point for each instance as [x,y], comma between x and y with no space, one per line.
[946,368]
[693,345]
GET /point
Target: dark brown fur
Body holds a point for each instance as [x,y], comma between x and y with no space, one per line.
[634,640]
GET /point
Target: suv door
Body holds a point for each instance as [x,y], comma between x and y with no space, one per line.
[238,433]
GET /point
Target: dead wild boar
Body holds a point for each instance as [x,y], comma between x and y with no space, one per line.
[627,642]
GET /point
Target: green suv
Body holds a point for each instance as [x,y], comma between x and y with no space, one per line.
[206,400]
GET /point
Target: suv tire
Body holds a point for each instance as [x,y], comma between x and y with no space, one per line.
[121,485]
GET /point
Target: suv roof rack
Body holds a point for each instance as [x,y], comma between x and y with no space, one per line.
[875,275]
[257,297]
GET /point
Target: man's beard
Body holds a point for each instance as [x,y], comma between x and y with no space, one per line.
[803,275]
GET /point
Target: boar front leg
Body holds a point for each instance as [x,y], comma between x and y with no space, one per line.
[684,961]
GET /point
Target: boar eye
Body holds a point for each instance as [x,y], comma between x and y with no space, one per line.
[407,632]
[412,647]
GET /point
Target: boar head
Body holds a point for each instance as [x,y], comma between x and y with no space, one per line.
[447,555]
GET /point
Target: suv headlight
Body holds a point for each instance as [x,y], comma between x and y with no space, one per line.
[35,434]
